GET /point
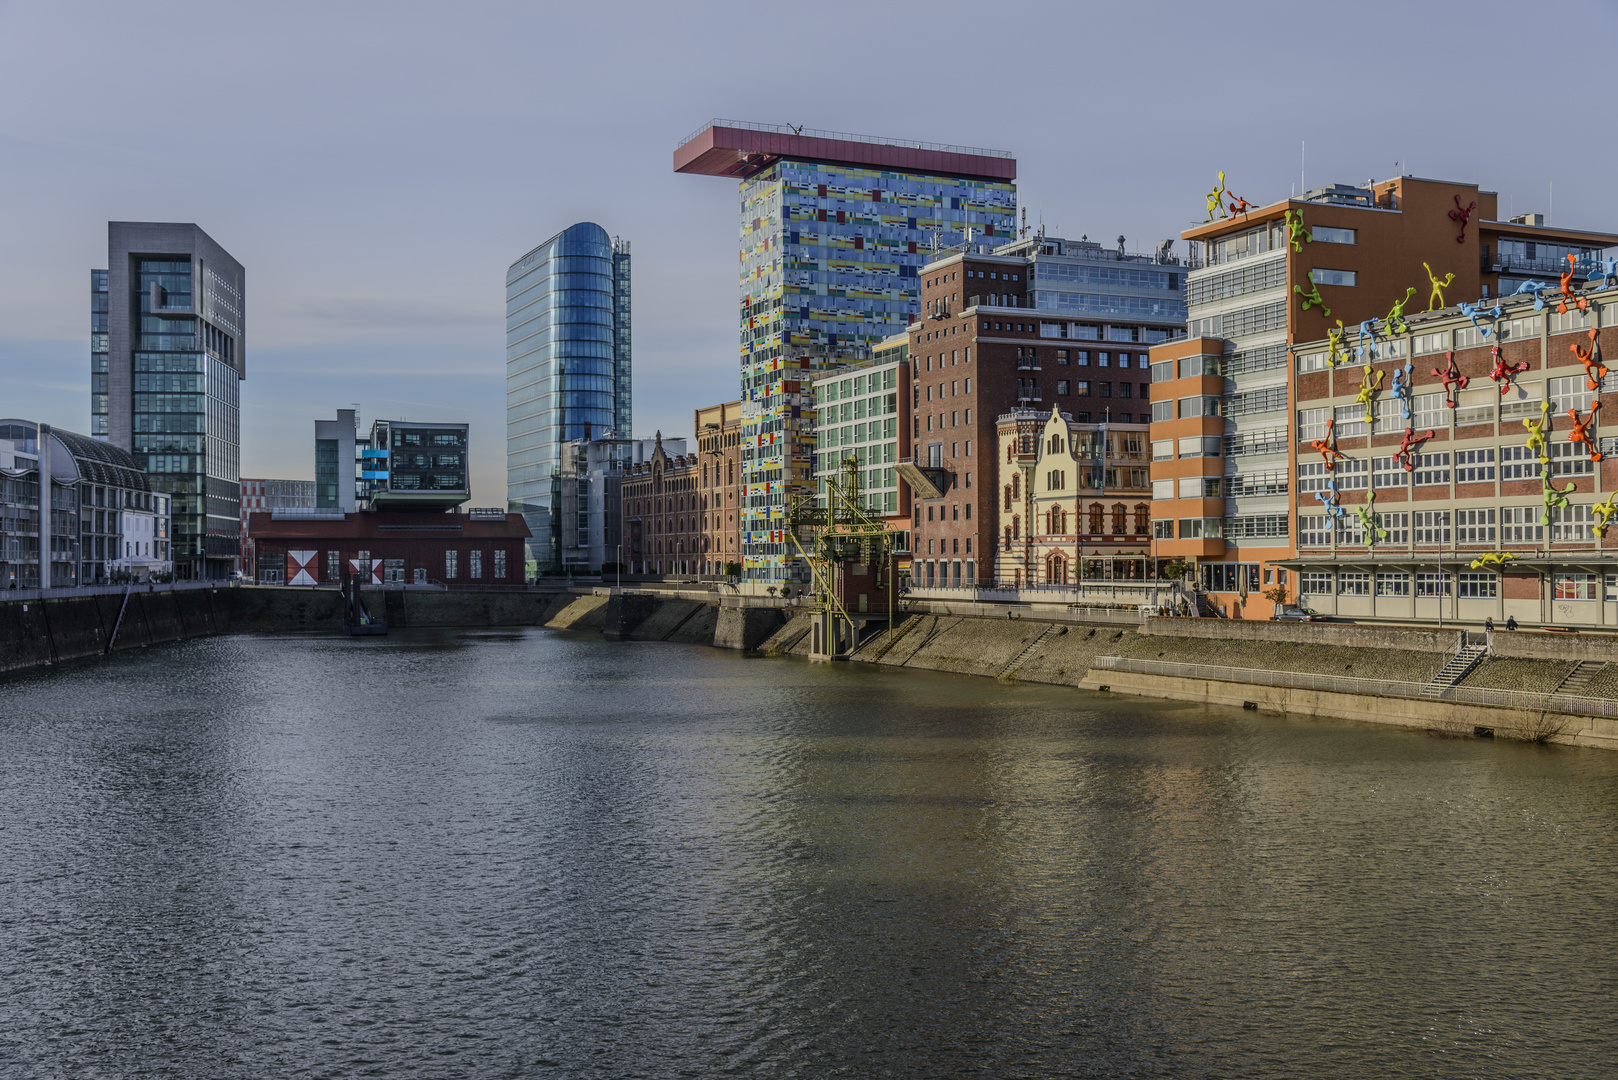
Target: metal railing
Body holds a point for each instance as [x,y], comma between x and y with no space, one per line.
[816,133]
[1340,684]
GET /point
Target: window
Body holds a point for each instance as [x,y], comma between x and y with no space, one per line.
[451,569]
[1474,466]
[1196,446]
[474,565]
[1163,450]
[1432,470]
[1353,583]
[1570,459]
[1574,586]
[1386,473]
[1520,525]
[1081,388]
[1571,523]
[1163,529]
[1474,526]
[1325,234]
[1308,362]
[1392,584]
[1063,387]
[1436,342]
[1161,411]
[334,566]
[1257,527]
[1518,463]
[1430,412]
[1321,276]
[1572,392]
[1429,583]
[500,562]
[1314,583]
[1124,389]
[1476,586]
[1230,577]
[1163,371]
[1200,487]
[1312,424]
[1083,358]
[1201,405]
[1163,490]
[1431,526]
[1350,421]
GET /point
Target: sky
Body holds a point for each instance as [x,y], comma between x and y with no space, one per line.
[376,167]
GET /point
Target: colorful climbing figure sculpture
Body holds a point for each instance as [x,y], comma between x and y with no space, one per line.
[1472,311]
[1312,297]
[1606,271]
[1537,432]
[1327,447]
[1367,516]
[1409,446]
[1330,501]
[1579,302]
[1555,498]
[1497,559]
[1362,351]
[1367,393]
[1334,338]
[1594,369]
[1395,320]
[1297,235]
[1435,299]
[1462,215]
[1453,380]
[1400,387]
[1215,197]
[1502,372]
[1603,512]
[1581,432]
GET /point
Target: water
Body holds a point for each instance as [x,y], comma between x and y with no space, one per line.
[494,854]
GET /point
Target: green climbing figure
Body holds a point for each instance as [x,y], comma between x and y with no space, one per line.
[1367,516]
[1216,199]
[1395,321]
[1312,298]
[1296,233]
[1338,352]
[1368,391]
[1537,431]
[1435,299]
[1554,496]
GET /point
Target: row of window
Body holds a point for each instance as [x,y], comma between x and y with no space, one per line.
[1466,584]
[1485,525]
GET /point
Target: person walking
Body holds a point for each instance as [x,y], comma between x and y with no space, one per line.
[1511,622]
[1488,624]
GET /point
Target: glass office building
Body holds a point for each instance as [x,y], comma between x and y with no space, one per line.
[168,353]
[834,231]
[567,364]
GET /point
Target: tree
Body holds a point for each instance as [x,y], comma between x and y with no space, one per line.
[1277,595]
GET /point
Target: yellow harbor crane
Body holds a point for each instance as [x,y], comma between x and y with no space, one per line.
[851,559]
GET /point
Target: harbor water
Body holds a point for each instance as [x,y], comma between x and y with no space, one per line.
[529,853]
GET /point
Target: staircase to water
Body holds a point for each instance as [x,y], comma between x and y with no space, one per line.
[1457,668]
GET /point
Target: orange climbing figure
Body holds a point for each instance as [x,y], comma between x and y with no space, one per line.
[1326,447]
[1594,369]
[1567,289]
[1581,430]
[1240,206]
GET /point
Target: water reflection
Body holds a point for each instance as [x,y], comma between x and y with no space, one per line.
[514,854]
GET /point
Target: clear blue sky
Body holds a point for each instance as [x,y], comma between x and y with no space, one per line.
[377,166]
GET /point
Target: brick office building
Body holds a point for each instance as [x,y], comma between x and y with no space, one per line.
[1375,539]
[1224,451]
[662,512]
[316,547]
[719,446]
[1029,325]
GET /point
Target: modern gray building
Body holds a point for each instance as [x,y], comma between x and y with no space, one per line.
[567,364]
[400,465]
[168,349]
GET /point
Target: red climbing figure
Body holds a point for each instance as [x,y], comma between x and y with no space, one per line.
[1453,380]
[1567,289]
[1502,372]
[1581,430]
[1408,447]
[1594,369]
[1326,448]
[1462,215]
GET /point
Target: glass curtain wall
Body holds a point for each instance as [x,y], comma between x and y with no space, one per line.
[567,364]
[98,353]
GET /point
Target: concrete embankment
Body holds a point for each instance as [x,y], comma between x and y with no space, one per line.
[67,625]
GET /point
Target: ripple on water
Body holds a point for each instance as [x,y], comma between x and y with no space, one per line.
[447,854]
